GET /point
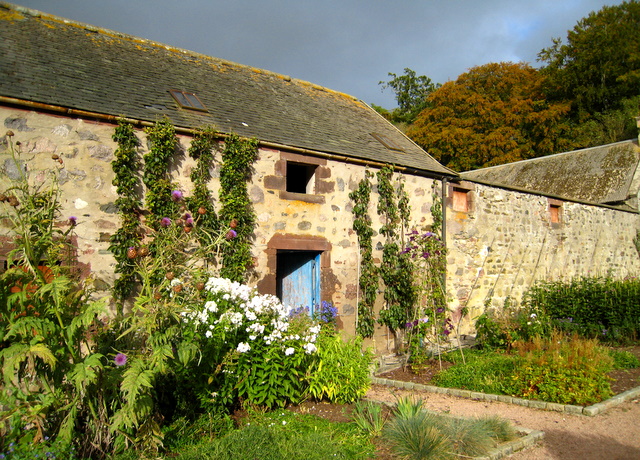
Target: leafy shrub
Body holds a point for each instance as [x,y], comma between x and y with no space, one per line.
[340,371]
[500,328]
[596,307]
[50,367]
[623,359]
[561,369]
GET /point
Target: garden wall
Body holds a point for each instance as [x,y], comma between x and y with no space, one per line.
[500,241]
[507,240]
[319,221]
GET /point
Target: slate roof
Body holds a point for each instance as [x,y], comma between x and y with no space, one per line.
[51,60]
[602,175]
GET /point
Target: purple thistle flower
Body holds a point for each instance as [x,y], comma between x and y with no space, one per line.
[189,222]
[408,325]
[176,195]
[165,222]
[120,359]
[73,220]
[231,234]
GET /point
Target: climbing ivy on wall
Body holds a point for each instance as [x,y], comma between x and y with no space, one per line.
[395,270]
[128,186]
[163,142]
[201,203]
[169,214]
[238,157]
[368,281]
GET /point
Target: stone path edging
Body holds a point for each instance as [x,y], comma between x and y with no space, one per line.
[568,408]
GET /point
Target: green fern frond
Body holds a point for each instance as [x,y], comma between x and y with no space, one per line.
[136,379]
[14,356]
[26,328]
[87,316]
[56,289]
[86,372]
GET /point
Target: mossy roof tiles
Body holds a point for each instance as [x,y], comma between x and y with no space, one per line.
[50,60]
[601,174]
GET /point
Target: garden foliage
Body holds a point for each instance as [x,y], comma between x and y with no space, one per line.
[189,342]
[599,307]
[562,369]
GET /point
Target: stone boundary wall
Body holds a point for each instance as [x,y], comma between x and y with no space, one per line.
[508,240]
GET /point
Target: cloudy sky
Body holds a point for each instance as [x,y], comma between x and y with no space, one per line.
[344,45]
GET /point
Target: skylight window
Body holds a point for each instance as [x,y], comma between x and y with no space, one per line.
[187,100]
[387,142]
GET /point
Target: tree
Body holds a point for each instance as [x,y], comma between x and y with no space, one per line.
[493,114]
[599,66]
[411,92]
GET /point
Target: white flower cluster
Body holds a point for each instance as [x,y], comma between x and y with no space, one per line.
[239,308]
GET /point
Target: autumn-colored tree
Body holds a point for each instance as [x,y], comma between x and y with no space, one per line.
[598,71]
[493,114]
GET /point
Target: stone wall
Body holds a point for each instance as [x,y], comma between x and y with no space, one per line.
[507,241]
[499,243]
[319,221]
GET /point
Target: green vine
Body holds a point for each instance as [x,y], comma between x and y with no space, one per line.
[368,281]
[238,157]
[201,203]
[163,141]
[399,293]
[128,187]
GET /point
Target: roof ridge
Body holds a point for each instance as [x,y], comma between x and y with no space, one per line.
[632,141]
[109,32]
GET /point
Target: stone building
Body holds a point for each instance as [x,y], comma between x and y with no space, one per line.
[64,85]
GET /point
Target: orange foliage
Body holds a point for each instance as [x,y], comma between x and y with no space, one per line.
[493,114]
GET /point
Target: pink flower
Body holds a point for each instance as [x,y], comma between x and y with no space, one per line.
[231,234]
[73,220]
[176,195]
[165,222]
[120,359]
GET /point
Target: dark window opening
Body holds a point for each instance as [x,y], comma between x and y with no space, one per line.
[300,178]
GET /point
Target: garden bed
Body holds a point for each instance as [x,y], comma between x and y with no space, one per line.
[621,380]
[342,413]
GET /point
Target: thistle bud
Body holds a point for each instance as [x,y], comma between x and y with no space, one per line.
[132,253]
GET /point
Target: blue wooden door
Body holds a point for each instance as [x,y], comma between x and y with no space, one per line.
[298,274]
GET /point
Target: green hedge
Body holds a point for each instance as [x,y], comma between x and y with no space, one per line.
[593,307]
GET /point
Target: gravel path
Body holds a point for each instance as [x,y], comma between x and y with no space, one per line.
[613,435]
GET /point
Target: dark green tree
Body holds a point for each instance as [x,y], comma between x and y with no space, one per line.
[411,93]
[598,71]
